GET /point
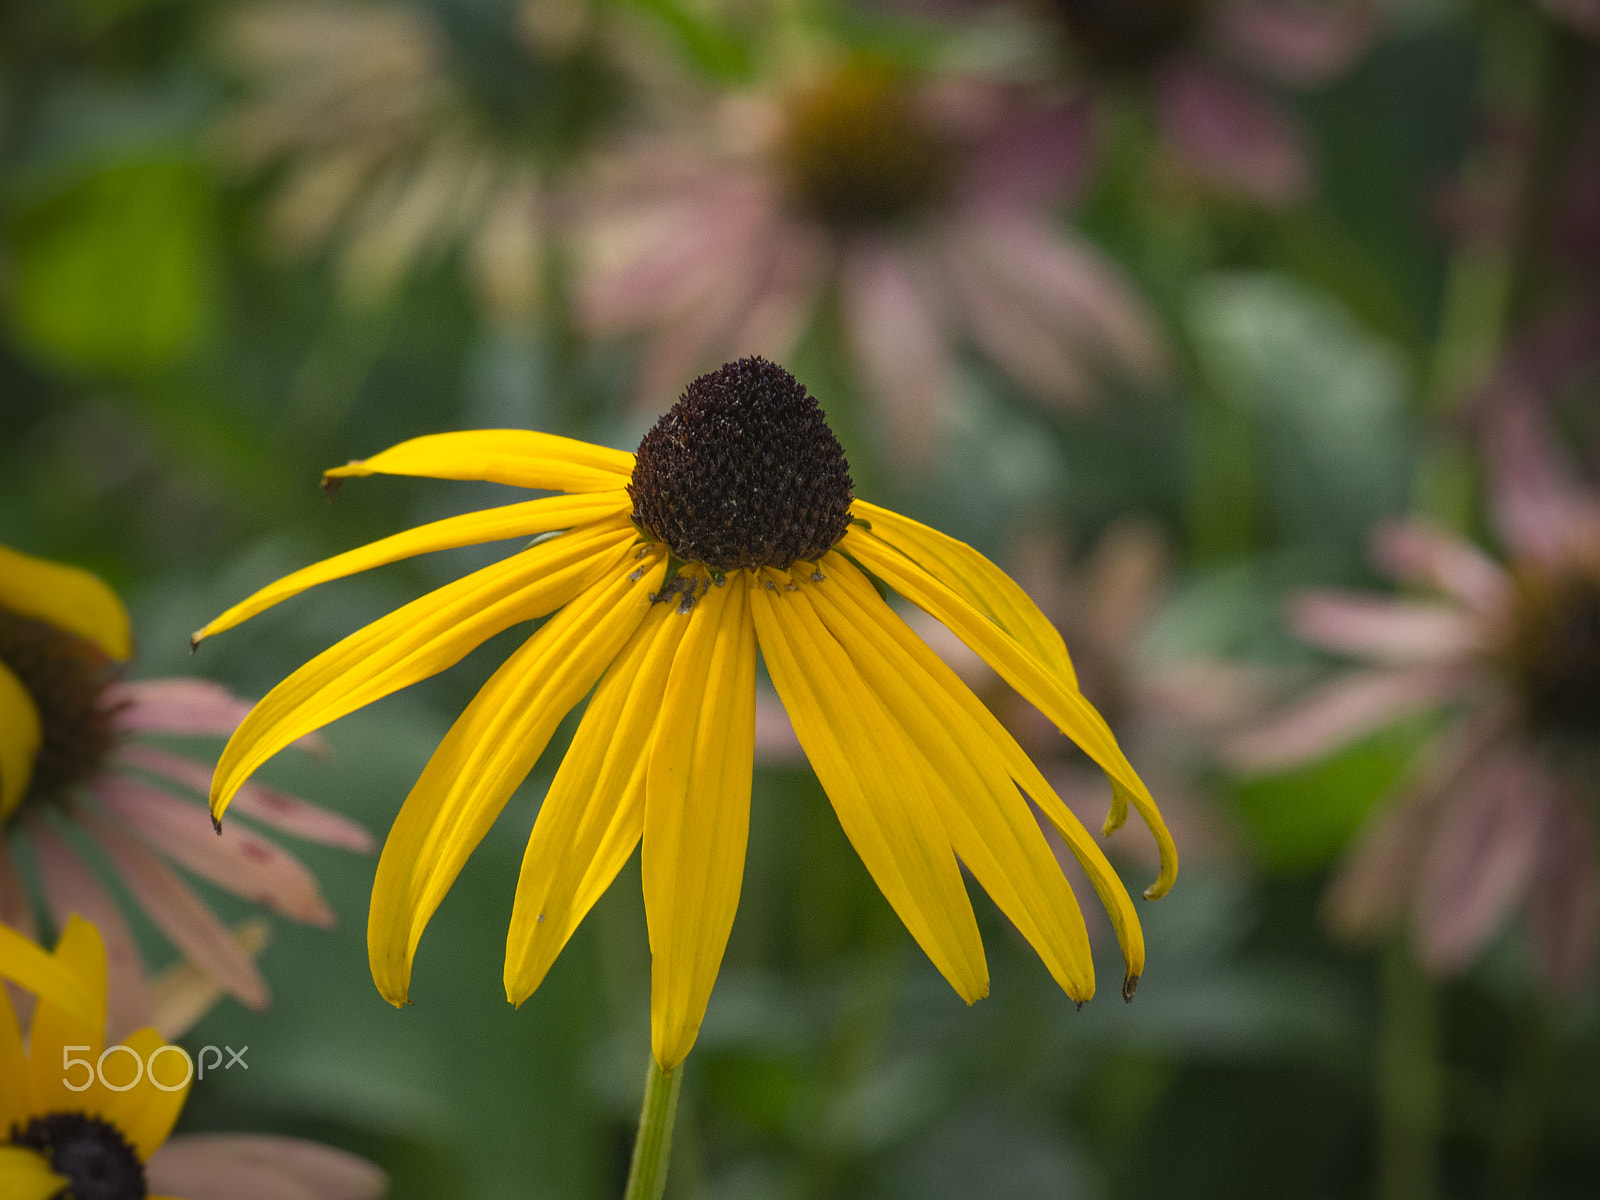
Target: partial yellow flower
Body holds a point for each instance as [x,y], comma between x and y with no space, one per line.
[87,1118]
[733,531]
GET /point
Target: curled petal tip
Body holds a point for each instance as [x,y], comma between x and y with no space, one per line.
[195,639]
[1129,985]
[1157,890]
[216,823]
[331,483]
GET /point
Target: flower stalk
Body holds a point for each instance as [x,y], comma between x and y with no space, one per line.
[652,1149]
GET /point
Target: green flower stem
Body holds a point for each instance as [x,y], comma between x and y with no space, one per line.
[652,1150]
[1409,1084]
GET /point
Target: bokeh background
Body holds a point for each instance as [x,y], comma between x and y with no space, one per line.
[1289,250]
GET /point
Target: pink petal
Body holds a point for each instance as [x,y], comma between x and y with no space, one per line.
[896,338]
[1035,156]
[1124,580]
[1582,15]
[185,707]
[1537,507]
[1378,875]
[783,306]
[1384,629]
[1339,712]
[182,994]
[1482,860]
[211,1166]
[1296,43]
[236,860]
[1564,909]
[71,887]
[1231,135]
[257,801]
[1076,292]
[776,743]
[1206,695]
[1419,553]
[178,911]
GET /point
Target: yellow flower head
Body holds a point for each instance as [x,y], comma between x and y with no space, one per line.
[78,1118]
[733,531]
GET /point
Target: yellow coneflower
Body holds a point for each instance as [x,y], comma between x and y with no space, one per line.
[734,529]
[83,1117]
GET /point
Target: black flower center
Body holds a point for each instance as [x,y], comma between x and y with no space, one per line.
[856,151]
[1554,650]
[66,676]
[743,472]
[92,1154]
[1125,35]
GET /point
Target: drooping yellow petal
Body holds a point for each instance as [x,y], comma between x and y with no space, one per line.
[489,525]
[57,1027]
[16,1083]
[52,977]
[879,799]
[989,822]
[1031,676]
[593,815]
[20,736]
[520,457]
[976,580]
[697,811]
[146,1112]
[486,755]
[417,641]
[25,1175]
[68,598]
[1013,760]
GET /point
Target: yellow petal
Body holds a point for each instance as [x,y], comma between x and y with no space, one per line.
[25,1175]
[16,1083]
[146,1113]
[19,741]
[697,811]
[68,598]
[520,457]
[414,642]
[1012,759]
[593,815]
[52,977]
[976,580]
[483,759]
[990,825]
[1032,677]
[57,1027]
[880,800]
[490,525]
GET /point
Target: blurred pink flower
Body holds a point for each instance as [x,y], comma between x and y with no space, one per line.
[238,1166]
[1499,815]
[925,207]
[1193,58]
[73,757]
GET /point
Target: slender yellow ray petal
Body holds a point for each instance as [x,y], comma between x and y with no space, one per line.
[593,814]
[49,976]
[57,1026]
[519,457]
[416,641]
[512,520]
[989,822]
[68,598]
[1013,760]
[976,580]
[145,1113]
[486,755]
[1030,676]
[25,1175]
[16,1084]
[879,799]
[697,811]
[20,736]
